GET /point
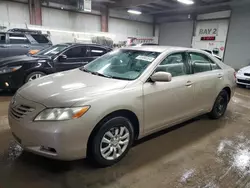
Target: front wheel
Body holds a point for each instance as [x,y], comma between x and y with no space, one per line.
[220,105]
[34,75]
[111,142]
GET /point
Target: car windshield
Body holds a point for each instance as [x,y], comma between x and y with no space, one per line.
[121,64]
[53,50]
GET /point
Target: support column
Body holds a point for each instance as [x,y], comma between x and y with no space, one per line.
[35,10]
[104,19]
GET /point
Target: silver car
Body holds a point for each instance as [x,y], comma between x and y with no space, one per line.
[99,110]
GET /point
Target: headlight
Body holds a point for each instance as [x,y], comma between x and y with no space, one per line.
[59,114]
[239,71]
[9,69]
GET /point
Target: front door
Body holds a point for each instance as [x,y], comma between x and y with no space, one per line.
[208,80]
[169,102]
[75,57]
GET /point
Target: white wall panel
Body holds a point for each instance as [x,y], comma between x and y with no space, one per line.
[70,20]
[14,12]
[238,42]
[176,33]
[127,28]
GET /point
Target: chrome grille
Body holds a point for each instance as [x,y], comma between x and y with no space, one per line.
[20,111]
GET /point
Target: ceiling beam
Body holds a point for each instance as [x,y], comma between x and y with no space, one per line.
[150,6]
[130,3]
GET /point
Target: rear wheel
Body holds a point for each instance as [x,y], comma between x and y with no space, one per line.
[111,142]
[220,105]
[34,75]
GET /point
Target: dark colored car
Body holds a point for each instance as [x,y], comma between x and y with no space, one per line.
[15,71]
[21,41]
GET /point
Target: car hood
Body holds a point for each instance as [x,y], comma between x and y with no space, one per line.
[64,89]
[20,59]
[246,69]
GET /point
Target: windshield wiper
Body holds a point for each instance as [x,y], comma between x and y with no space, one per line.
[119,78]
[100,74]
[84,70]
[103,75]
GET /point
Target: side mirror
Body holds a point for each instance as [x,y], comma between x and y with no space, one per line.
[62,58]
[161,77]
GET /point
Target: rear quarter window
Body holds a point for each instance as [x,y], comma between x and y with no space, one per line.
[41,39]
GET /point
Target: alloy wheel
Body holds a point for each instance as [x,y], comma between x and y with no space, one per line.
[35,76]
[114,142]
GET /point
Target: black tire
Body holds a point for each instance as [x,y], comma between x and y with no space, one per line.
[241,86]
[33,74]
[220,105]
[108,124]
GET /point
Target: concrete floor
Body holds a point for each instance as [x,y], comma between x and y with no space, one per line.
[200,153]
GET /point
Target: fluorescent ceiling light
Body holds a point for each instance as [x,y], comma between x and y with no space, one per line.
[134,12]
[187,2]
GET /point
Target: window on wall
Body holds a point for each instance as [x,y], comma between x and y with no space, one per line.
[174,64]
[76,52]
[201,63]
[18,39]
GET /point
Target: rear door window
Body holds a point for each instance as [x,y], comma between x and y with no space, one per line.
[18,39]
[76,52]
[2,38]
[202,63]
[41,39]
[96,51]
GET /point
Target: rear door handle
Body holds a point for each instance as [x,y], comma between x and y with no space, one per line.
[189,83]
[25,46]
[220,76]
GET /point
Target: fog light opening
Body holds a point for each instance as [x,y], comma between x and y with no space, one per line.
[7,84]
[47,149]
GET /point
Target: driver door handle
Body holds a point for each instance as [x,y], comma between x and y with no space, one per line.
[189,83]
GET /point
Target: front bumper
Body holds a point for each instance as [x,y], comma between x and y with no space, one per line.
[12,80]
[63,140]
[242,79]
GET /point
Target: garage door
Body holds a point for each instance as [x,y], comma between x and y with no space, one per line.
[211,35]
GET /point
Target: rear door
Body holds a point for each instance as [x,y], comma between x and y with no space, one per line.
[76,57]
[19,44]
[208,79]
[3,45]
[95,52]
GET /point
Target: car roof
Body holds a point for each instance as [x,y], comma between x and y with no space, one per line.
[160,48]
[85,44]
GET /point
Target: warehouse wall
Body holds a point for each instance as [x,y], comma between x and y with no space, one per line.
[14,12]
[126,28]
[238,44]
[73,21]
[176,33]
